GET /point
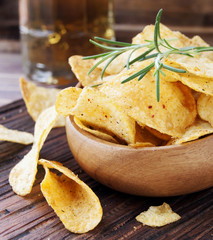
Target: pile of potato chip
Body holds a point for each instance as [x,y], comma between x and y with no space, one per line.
[129,113]
[126,114]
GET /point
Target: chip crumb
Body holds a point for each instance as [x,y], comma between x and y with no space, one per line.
[158,216]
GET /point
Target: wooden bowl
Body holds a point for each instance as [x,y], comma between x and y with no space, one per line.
[150,171]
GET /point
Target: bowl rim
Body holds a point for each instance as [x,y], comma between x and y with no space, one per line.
[104,142]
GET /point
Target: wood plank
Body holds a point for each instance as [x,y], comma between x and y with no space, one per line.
[31,218]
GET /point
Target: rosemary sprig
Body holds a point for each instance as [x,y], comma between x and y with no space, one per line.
[115,48]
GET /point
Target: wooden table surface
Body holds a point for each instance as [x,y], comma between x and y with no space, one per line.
[31,218]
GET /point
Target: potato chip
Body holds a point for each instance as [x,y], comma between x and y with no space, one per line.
[37,99]
[205,108]
[145,136]
[172,115]
[199,68]
[199,42]
[97,133]
[97,110]
[119,63]
[198,129]
[158,216]
[67,99]
[81,68]
[178,39]
[16,136]
[160,135]
[198,65]
[22,176]
[199,84]
[73,201]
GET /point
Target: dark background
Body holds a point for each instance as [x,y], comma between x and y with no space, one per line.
[189,16]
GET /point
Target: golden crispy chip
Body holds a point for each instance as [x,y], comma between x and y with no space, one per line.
[22,176]
[160,135]
[179,39]
[16,136]
[172,115]
[119,63]
[37,99]
[199,84]
[97,133]
[81,68]
[97,110]
[198,65]
[158,216]
[144,136]
[205,108]
[199,68]
[73,201]
[67,99]
[198,129]
[199,42]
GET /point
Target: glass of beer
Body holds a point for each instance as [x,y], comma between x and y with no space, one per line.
[53,30]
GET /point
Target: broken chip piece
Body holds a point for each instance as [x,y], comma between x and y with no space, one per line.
[158,216]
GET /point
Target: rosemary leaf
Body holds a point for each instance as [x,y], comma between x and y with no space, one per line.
[173,69]
[142,56]
[107,64]
[122,47]
[157,85]
[148,68]
[117,43]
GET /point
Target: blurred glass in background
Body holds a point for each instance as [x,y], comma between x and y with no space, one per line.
[53,30]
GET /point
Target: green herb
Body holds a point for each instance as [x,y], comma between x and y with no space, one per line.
[116,48]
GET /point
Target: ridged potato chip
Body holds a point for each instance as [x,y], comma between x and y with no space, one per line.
[73,201]
[16,136]
[158,216]
[98,110]
[172,115]
[22,176]
[67,99]
[97,133]
[37,99]
[205,108]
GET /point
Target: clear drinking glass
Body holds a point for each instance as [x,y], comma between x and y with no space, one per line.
[53,30]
